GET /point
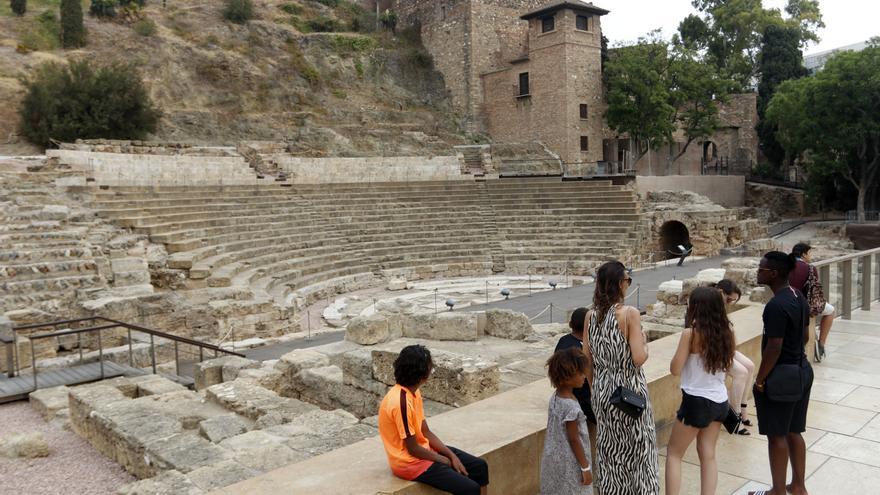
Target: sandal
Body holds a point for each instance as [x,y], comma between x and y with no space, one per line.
[759,492]
[744,432]
[744,410]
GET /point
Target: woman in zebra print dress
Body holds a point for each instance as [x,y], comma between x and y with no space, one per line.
[626,450]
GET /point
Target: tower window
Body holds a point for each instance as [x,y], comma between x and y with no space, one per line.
[582,23]
[548,24]
[584,111]
[524,84]
[585,143]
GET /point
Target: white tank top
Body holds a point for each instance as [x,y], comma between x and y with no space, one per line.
[695,380]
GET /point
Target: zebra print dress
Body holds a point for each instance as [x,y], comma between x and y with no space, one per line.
[626,448]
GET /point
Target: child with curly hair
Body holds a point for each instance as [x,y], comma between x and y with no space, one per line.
[565,466]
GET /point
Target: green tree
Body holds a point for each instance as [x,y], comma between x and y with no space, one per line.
[655,90]
[780,60]
[19,7]
[80,101]
[73,33]
[833,120]
[103,8]
[730,32]
[238,11]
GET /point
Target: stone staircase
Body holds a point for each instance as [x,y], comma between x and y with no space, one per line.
[294,245]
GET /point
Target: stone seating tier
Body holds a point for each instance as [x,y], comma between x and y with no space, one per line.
[281,241]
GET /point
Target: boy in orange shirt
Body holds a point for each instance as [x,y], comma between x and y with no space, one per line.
[414,452]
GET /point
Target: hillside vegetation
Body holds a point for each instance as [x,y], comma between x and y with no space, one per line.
[313,73]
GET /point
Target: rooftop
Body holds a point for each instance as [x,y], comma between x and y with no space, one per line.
[577,5]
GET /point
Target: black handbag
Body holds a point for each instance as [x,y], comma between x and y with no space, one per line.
[732,421]
[629,402]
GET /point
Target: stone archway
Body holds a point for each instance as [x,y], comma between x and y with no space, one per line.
[673,234]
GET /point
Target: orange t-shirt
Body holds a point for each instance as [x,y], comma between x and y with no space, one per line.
[400,416]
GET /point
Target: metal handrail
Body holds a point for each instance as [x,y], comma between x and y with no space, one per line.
[111,323]
[846,257]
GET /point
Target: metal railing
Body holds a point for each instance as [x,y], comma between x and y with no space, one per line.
[852,216]
[851,281]
[98,324]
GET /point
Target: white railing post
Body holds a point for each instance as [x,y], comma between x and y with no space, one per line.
[846,304]
[867,282]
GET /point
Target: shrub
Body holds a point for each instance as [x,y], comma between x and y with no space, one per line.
[290,8]
[44,34]
[103,8]
[329,3]
[131,3]
[322,24]
[389,20]
[19,7]
[145,27]
[80,101]
[346,45]
[238,11]
[73,33]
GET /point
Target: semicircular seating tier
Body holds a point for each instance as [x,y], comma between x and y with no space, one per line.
[301,243]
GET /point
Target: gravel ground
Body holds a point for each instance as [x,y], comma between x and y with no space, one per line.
[72,468]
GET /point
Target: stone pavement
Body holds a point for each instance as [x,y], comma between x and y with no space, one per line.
[843,425]
[565,300]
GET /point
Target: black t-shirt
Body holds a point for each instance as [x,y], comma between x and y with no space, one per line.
[785,316]
[582,394]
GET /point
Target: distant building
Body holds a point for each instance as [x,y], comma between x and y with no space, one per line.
[814,63]
[531,71]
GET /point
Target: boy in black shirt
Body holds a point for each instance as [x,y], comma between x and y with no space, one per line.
[786,332]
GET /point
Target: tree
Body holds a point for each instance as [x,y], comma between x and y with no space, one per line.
[655,91]
[730,32]
[780,60]
[18,7]
[833,120]
[80,101]
[73,33]
[103,8]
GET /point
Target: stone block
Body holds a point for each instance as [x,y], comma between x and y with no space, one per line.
[261,451]
[222,369]
[85,399]
[371,330]
[669,292]
[295,361]
[761,295]
[357,371]
[167,483]
[220,428]
[266,377]
[441,326]
[396,284]
[457,380]
[507,324]
[27,445]
[216,476]
[242,397]
[312,445]
[324,386]
[184,452]
[49,401]
[319,422]
[155,385]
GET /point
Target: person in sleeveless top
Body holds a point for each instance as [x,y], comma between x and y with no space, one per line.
[799,277]
[705,353]
[616,348]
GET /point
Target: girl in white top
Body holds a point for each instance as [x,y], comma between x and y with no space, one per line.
[705,353]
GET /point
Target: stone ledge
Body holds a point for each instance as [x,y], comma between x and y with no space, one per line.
[507,430]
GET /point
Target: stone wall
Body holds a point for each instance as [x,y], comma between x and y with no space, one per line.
[781,202]
[726,190]
[303,170]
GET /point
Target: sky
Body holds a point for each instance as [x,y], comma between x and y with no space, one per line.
[846,21]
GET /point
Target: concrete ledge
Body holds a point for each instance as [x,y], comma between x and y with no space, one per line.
[304,170]
[507,430]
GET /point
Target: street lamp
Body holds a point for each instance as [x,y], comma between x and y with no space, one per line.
[506,293]
[450,303]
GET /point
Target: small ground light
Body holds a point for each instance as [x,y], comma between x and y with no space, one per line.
[450,303]
[553,284]
[506,293]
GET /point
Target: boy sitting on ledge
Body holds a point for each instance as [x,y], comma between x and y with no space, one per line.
[414,452]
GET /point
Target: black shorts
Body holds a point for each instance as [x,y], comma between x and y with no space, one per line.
[777,419]
[700,412]
[445,478]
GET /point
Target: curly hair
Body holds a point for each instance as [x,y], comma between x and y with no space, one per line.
[607,292]
[564,364]
[712,330]
[728,287]
[412,365]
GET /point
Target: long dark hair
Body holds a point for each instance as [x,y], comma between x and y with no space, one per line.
[608,292]
[708,319]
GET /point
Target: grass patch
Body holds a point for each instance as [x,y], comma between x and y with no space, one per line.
[302,66]
[42,33]
[340,94]
[350,45]
[144,27]
[291,8]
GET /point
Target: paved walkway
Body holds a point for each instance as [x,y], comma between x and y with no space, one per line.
[843,425]
[565,300]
